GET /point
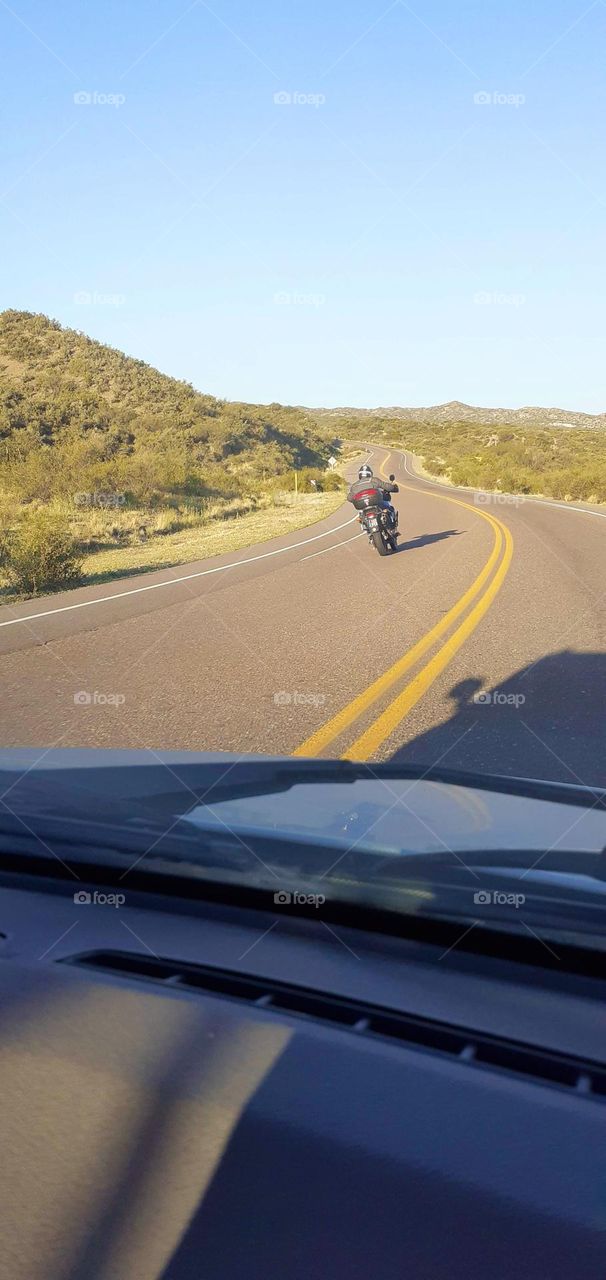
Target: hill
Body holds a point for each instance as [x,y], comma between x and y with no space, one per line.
[109,467]
[77,415]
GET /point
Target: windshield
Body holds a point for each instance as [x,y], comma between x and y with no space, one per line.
[437,847]
[303,442]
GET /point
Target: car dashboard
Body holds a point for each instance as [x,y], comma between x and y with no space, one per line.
[197,1090]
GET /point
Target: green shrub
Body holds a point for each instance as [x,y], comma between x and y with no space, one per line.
[41,554]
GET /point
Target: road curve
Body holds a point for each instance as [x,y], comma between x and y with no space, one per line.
[481,644]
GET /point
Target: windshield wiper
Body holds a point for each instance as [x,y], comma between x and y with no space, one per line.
[208,783]
[264,778]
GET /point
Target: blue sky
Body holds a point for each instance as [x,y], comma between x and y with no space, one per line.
[380,237]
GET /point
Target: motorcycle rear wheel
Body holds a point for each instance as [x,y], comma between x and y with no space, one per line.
[377,538]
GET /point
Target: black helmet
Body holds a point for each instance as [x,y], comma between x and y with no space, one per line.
[365,472]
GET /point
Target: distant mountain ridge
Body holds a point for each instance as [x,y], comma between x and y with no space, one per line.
[457,411]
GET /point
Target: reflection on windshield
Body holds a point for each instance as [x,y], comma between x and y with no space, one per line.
[419,817]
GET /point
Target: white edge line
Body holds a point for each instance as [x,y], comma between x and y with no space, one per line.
[541,502]
[171,582]
[344,543]
[564,506]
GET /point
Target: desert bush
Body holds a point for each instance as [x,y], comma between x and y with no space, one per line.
[41,554]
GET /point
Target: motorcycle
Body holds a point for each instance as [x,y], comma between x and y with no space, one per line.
[376,520]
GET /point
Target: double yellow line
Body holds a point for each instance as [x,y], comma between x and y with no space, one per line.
[368,742]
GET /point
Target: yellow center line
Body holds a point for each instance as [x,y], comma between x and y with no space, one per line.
[325,735]
[369,742]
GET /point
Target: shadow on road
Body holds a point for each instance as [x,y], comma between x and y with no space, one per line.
[546,720]
[426,539]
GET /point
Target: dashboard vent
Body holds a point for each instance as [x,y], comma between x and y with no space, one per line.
[477,1049]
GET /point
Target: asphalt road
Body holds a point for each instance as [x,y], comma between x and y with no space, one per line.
[480,645]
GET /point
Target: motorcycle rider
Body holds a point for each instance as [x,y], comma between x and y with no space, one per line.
[366,480]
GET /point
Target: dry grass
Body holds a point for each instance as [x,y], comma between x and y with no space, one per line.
[198,543]
[99,529]
[120,542]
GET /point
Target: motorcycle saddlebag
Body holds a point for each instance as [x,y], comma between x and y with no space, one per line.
[366,498]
